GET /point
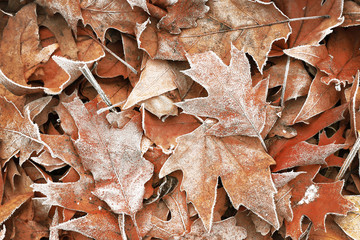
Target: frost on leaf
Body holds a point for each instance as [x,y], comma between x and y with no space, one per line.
[17,133]
[314,200]
[239,107]
[225,229]
[113,156]
[240,162]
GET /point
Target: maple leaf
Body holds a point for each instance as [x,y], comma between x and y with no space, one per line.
[18,133]
[77,195]
[315,200]
[239,107]
[247,182]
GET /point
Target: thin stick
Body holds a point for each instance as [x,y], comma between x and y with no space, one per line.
[349,159]
[114,55]
[121,221]
[258,26]
[118,58]
[87,73]
[287,66]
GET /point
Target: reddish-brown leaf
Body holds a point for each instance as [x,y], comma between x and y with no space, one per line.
[345,54]
[164,133]
[314,200]
[311,32]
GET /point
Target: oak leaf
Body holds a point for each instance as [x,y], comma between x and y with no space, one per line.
[17,133]
[239,107]
[307,131]
[304,153]
[244,173]
[315,200]
[113,158]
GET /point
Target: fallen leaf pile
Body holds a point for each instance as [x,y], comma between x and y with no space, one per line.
[185,119]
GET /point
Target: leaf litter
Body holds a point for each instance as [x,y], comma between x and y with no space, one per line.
[179,119]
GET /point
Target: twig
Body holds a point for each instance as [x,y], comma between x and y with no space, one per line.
[118,58]
[287,66]
[114,55]
[258,26]
[349,159]
[88,75]
[121,221]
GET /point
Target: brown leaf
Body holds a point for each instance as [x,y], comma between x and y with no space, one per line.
[298,80]
[321,97]
[20,51]
[225,229]
[350,223]
[311,32]
[164,133]
[304,153]
[100,15]
[18,133]
[211,157]
[183,14]
[157,78]
[232,100]
[9,207]
[120,185]
[243,24]
[351,14]
[345,62]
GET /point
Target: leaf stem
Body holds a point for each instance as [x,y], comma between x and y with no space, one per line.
[258,26]
[88,75]
[114,55]
[121,220]
[349,159]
